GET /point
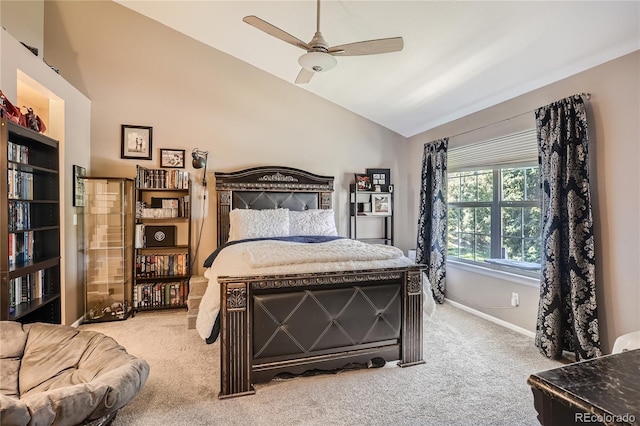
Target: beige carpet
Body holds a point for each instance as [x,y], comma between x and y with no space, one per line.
[475,374]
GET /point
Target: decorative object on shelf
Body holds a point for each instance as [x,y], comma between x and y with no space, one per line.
[8,110]
[200,159]
[380,177]
[160,236]
[363,181]
[172,158]
[78,185]
[33,121]
[136,142]
[381,204]
[14,114]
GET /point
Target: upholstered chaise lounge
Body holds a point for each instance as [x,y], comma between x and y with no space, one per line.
[58,374]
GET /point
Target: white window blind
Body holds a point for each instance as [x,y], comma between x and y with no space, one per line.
[517,148]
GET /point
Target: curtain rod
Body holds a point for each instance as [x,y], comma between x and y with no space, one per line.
[587,96]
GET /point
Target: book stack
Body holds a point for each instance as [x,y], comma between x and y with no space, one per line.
[20,248]
[161,265]
[20,185]
[154,295]
[161,178]
[17,153]
[26,288]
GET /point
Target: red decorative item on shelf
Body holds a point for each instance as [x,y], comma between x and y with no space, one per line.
[8,110]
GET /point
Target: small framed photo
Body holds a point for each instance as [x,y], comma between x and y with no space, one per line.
[136,142]
[363,181]
[172,158]
[380,177]
[78,185]
[381,204]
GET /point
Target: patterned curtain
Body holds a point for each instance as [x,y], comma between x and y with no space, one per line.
[567,315]
[432,220]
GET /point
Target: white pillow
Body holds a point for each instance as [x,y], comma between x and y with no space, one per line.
[245,223]
[312,222]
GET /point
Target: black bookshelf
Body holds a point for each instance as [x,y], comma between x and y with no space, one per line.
[29,225]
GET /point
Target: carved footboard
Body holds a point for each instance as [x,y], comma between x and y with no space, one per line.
[294,323]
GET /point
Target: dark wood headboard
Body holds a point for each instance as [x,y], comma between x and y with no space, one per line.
[269,187]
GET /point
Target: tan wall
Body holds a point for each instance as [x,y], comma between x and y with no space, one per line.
[68,121]
[137,71]
[25,21]
[614,109]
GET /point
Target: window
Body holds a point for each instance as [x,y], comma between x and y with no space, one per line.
[494,213]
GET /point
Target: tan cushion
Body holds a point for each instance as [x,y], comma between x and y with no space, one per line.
[67,375]
[12,342]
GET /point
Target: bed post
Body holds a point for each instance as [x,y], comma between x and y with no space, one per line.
[224,207]
[235,365]
[412,319]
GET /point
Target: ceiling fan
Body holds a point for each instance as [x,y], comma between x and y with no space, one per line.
[319,56]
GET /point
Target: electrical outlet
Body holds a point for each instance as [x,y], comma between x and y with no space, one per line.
[515,299]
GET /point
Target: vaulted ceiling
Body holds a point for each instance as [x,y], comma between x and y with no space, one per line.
[458,57]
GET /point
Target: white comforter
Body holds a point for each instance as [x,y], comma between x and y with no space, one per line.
[282,257]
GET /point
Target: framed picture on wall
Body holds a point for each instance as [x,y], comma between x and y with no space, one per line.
[381,204]
[381,178]
[78,185]
[172,158]
[136,142]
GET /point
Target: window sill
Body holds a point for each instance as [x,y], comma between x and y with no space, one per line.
[531,279]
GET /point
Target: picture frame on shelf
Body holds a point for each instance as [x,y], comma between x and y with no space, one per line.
[381,204]
[363,182]
[136,142]
[380,177]
[172,158]
[78,185]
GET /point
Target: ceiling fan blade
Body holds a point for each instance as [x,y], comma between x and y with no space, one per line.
[369,47]
[304,76]
[275,31]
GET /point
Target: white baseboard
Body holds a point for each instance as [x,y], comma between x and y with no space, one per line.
[492,319]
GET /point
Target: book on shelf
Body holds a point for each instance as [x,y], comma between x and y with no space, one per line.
[17,153]
[139,235]
[20,247]
[161,178]
[20,185]
[161,265]
[27,288]
[154,295]
[19,215]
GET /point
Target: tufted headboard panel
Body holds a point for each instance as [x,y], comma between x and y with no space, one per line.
[269,188]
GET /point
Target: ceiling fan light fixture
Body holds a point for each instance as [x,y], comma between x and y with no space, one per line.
[317,61]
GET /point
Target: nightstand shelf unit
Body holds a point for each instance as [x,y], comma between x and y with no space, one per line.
[370,216]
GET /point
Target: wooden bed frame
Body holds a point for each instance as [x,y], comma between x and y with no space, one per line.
[317,321]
